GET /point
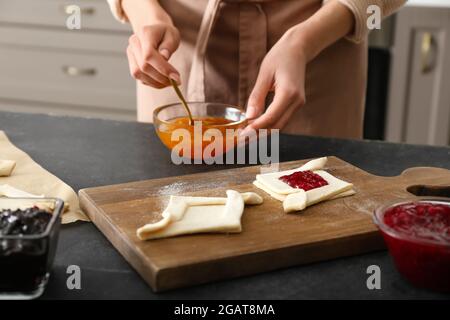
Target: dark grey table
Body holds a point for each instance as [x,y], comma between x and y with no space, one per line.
[87,153]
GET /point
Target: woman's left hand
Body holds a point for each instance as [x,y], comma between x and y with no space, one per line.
[283,72]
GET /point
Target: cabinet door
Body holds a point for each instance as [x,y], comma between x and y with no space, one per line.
[419,103]
[95,14]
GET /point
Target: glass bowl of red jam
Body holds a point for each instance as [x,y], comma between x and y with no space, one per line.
[29,230]
[417,234]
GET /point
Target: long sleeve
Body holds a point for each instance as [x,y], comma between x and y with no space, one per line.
[359,10]
[116,9]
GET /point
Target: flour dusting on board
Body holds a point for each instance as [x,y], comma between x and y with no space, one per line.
[365,206]
[172,189]
[178,188]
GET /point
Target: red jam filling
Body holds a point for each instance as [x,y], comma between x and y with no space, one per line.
[305,180]
[420,220]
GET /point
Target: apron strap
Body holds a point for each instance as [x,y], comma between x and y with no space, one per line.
[252,48]
[196,82]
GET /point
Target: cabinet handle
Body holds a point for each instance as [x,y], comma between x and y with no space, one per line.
[69,9]
[77,72]
[426,52]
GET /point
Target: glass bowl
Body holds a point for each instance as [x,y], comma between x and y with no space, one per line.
[26,259]
[417,235]
[226,119]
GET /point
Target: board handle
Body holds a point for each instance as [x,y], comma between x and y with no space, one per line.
[429,191]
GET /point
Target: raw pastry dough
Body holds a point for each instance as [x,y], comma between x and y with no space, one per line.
[295,199]
[313,165]
[6,167]
[23,204]
[273,182]
[10,192]
[282,197]
[50,205]
[188,215]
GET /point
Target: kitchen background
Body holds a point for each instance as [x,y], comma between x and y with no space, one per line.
[46,68]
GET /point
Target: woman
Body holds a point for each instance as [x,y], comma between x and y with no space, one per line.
[296,65]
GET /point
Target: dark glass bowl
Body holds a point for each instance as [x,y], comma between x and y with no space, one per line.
[26,260]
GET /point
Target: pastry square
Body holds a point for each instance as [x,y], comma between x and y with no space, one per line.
[295,199]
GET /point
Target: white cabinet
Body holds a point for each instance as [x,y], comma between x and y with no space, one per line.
[47,68]
[419,91]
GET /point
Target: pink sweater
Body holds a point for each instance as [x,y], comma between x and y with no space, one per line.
[358,7]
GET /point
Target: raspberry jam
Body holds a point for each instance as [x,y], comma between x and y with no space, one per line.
[418,237]
[421,220]
[305,180]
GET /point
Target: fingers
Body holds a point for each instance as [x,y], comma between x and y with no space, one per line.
[148,60]
[286,101]
[282,122]
[151,39]
[257,99]
[136,72]
[169,44]
[145,67]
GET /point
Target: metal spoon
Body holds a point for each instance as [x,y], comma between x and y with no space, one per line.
[183,101]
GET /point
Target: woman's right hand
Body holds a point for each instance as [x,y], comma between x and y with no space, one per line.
[149,50]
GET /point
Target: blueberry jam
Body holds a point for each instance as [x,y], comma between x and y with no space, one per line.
[23,260]
[305,180]
[26,222]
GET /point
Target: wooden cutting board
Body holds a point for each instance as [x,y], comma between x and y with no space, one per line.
[270,239]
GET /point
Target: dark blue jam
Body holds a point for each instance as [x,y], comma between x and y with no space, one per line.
[23,222]
[23,262]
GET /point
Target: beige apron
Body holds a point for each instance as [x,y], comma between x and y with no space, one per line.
[223,44]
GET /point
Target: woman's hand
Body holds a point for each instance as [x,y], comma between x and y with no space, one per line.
[149,49]
[283,68]
[154,40]
[283,72]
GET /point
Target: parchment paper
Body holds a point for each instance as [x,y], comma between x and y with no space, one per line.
[32,178]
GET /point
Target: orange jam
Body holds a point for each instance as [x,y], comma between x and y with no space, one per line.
[199,138]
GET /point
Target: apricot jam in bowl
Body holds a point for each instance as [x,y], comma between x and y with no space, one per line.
[417,234]
[214,131]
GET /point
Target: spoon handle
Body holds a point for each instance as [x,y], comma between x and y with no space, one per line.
[183,101]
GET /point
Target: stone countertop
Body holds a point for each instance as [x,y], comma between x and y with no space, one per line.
[88,152]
